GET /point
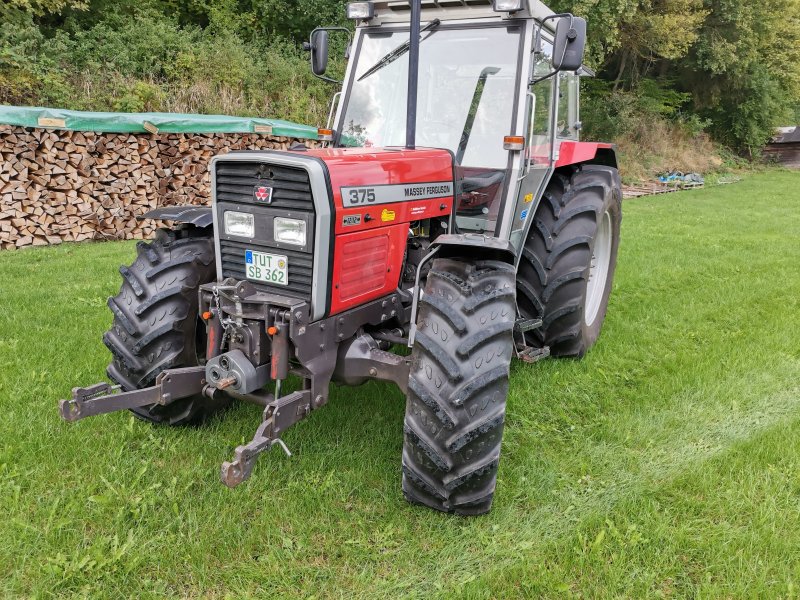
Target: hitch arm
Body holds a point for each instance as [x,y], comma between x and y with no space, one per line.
[104,398]
[278,416]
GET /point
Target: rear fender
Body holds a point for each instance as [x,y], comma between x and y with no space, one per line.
[199,216]
[597,153]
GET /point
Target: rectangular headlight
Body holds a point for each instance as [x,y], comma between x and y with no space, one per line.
[508,5]
[360,10]
[240,224]
[290,231]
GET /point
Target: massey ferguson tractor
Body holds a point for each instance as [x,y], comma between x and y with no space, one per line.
[452,209]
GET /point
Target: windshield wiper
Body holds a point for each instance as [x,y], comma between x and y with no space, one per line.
[477,96]
[399,51]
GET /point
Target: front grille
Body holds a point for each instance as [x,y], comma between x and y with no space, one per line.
[236,182]
[291,187]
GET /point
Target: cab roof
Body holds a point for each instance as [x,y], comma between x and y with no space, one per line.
[399,11]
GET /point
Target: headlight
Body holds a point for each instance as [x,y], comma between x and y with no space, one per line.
[240,224]
[360,10]
[508,5]
[290,231]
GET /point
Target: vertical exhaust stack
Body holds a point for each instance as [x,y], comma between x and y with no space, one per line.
[413,75]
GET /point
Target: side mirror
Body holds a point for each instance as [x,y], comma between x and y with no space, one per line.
[319,52]
[569,44]
[319,47]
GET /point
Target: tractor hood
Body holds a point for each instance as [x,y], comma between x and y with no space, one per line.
[374,187]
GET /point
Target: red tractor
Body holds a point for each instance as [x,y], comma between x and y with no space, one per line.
[452,209]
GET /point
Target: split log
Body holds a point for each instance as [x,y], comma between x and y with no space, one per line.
[58,186]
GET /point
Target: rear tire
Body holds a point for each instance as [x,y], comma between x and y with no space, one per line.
[156,325]
[458,384]
[568,261]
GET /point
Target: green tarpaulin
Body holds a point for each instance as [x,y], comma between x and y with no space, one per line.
[107,122]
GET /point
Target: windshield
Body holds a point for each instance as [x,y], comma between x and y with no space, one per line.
[467,87]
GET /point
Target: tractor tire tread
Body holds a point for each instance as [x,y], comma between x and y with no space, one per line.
[455,412]
[155,319]
[556,257]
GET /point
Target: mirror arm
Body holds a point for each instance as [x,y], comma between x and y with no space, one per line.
[328,79]
[537,46]
[544,77]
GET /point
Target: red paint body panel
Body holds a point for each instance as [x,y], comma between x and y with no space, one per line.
[370,166]
[572,153]
[368,255]
[366,265]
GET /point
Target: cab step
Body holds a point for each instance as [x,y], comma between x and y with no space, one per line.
[532,355]
[526,325]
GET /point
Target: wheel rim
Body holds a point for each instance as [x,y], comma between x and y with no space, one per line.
[598,272]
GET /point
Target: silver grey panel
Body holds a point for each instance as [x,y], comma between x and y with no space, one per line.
[394,11]
[368,195]
[322,206]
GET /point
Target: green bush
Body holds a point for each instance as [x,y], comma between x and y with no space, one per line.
[139,60]
[651,126]
[608,113]
[728,67]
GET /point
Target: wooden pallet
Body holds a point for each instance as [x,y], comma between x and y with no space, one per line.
[654,188]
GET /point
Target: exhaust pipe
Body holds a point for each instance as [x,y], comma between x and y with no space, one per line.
[413,75]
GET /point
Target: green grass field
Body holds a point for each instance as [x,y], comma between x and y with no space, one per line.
[665,464]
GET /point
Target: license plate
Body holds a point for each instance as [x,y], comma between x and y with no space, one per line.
[269,268]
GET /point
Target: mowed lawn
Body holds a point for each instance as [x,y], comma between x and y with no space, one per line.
[665,464]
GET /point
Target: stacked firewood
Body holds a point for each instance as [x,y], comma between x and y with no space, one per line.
[64,186]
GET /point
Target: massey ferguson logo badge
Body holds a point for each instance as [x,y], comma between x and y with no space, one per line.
[263,194]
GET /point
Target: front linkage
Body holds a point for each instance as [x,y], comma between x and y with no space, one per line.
[258,327]
[104,398]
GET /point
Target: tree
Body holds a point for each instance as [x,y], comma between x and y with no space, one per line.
[745,68]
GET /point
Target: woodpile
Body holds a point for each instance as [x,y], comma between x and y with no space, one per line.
[69,186]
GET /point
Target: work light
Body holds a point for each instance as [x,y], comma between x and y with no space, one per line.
[290,231]
[360,11]
[240,224]
[508,5]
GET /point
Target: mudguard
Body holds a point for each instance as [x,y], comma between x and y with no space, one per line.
[199,216]
[573,153]
[475,245]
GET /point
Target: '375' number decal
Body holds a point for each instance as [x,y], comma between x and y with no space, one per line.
[370,195]
[361,196]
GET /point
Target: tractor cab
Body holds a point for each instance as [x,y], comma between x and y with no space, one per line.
[477,97]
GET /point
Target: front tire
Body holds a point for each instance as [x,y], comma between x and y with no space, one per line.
[156,325]
[458,384]
[568,261]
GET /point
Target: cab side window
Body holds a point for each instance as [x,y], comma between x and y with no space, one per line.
[568,122]
[539,143]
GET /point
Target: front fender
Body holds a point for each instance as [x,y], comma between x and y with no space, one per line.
[199,216]
[476,246]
